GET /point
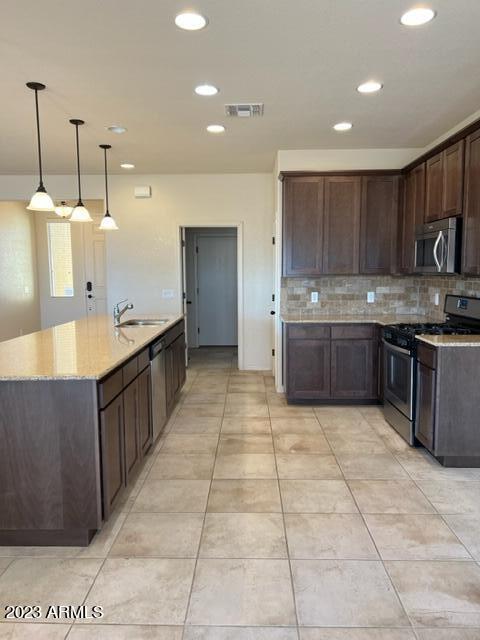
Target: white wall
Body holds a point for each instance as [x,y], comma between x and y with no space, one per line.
[143,257]
[19,300]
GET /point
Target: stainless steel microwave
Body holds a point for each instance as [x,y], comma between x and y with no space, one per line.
[437,246]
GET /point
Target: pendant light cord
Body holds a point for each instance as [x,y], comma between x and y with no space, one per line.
[38,139]
[106,183]
[78,166]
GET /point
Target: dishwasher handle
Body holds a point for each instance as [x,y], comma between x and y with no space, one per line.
[156,348]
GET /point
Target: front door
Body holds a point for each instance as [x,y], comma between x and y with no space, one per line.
[71,267]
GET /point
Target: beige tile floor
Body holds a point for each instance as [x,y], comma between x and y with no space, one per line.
[255,520]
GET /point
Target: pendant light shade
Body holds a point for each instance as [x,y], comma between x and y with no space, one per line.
[80,212]
[40,201]
[107,223]
[63,210]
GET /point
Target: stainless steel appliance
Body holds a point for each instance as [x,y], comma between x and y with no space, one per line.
[399,359]
[437,246]
[159,398]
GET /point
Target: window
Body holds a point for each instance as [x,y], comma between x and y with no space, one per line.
[60,259]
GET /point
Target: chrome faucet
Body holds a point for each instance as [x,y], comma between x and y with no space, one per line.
[118,313]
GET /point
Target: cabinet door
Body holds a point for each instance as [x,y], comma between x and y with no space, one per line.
[411,215]
[132,443]
[180,354]
[471,220]
[308,369]
[112,444]
[425,418]
[144,415]
[170,382]
[453,180]
[342,225]
[434,188]
[302,226]
[354,369]
[378,221]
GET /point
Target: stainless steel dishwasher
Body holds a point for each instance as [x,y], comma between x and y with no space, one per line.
[159,397]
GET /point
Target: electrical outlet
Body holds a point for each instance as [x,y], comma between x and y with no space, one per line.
[370,296]
[436,299]
[314,296]
[168,293]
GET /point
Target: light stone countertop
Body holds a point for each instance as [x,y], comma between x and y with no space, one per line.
[450,341]
[381,319]
[88,348]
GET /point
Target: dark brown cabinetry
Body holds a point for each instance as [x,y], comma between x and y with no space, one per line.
[131,422]
[411,214]
[303,226]
[425,419]
[378,221]
[338,224]
[471,221]
[331,362]
[113,457]
[144,410]
[341,224]
[444,183]
[175,371]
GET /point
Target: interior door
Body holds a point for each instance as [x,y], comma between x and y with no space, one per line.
[69,256]
[217,290]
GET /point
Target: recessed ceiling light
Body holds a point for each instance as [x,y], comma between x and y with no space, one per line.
[342,126]
[371,86]
[190,21]
[127,165]
[206,90]
[116,128]
[215,128]
[417,16]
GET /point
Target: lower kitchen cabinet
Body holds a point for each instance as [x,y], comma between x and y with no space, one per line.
[425,418]
[331,363]
[132,428]
[112,450]
[145,427]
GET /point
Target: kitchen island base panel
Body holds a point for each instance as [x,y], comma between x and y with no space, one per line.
[47,538]
[460,462]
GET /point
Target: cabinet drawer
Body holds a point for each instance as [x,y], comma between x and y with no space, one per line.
[173,333]
[427,356]
[109,388]
[308,331]
[143,359]
[130,371]
[353,332]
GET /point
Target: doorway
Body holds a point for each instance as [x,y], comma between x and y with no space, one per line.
[211,286]
[71,267]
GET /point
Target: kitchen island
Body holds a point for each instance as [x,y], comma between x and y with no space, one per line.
[76,424]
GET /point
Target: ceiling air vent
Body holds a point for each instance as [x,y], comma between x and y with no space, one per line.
[244,110]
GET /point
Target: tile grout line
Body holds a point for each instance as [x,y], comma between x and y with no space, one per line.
[187,608]
[284,528]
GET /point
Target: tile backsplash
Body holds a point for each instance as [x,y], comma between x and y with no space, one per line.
[393,294]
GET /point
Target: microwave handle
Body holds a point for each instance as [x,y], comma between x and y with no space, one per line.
[444,250]
[435,249]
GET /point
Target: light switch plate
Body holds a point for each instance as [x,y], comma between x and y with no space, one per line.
[436,299]
[314,296]
[370,296]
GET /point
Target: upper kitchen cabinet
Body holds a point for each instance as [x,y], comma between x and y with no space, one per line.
[471,222]
[341,224]
[444,183]
[411,214]
[377,223]
[303,225]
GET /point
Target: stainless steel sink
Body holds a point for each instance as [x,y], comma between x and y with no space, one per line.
[138,322]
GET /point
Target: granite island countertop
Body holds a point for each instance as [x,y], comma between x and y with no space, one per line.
[88,348]
[450,341]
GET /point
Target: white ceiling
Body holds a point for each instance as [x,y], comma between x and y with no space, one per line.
[124,61]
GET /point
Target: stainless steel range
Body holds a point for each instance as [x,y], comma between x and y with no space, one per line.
[399,359]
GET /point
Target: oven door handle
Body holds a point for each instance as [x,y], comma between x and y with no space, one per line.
[435,249]
[393,347]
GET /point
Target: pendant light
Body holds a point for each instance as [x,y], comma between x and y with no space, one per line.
[107,223]
[40,201]
[80,212]
[63,210]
